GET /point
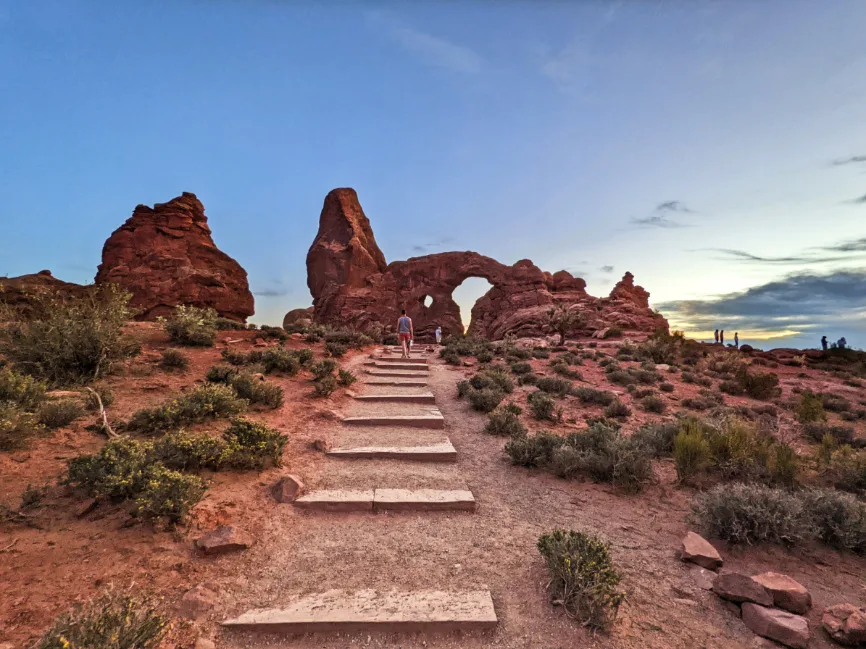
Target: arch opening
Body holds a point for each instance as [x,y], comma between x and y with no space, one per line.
[467,293]
[427,300]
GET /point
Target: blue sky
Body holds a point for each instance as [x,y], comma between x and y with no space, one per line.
[715,149]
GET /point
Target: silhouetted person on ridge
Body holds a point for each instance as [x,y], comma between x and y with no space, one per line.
[717,336]
[842,342]
[824,343]
[722,336]
[737,339]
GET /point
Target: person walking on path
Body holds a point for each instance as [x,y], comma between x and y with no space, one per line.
[737,339]
[722,336]
[405,332]
[717,336]
[824,343]
[438,335]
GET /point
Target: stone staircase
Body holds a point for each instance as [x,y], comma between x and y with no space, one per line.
[392,418]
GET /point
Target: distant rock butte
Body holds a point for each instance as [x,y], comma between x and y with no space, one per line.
[352,285]
[165,257]
[18,292]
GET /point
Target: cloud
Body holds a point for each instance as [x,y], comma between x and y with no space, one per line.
[853,245]
[742,255]
[606,269]
[432,50]
[860,200]
[846,161]
[794,304]
[660,216]
[272,292]
[427,247]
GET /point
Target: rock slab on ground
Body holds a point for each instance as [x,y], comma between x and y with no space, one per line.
[696,549]
[787,593]
[197,602]
[741,588]
[783,627]
[224,539]
[846,624]
[287,489]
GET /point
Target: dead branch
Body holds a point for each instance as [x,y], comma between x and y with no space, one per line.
[105,427]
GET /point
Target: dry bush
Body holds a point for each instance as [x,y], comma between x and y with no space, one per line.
[190,325]
[58,413]
[208,401]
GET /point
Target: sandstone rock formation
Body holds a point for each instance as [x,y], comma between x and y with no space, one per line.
[165,257]
[352,285]
[17,292]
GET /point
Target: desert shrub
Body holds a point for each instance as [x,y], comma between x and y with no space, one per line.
[105,393]
[835,402]
[304,356]
[190,325]
[613,332]
[168,494]
[346,378]
[238,358]
[112,621]
[115,472]
[564,370]
[689,377]
[784,465]
[497,377]
[251,445]
[758,386]
[666,387]
[691,450]
[208,401]
[840,434]
[186,451]
[505,421]
[174,359]
[704,401]
[564,320]
[521,368]
[224,324]
[484,356]
[463,388]
[640,393]
[653,403]
[22,390]
[220,374]
[60,412]
[731,387]
[661,347]
[533,451]
[451,357]
[837,519]
[335,349]
[280,360]
[347,337]
[323,368]
[847,469]
[527,379]
[751,513]
[621,377]
[325,385]
[485,399]
[810,408]
[559,387]
[540,353]
[604,454]
[70,341]
[256,391]
[583,579]
[16,427]
[517,354]
[543,407]
[657,438]
[269,332]
[594,396]
[617,410]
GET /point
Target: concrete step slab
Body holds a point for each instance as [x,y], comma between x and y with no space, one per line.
[370,610]
[396,382]
[423,500]
[398,372]
[398,365]
[421,397]
[430,420]
[399,359]
[444,452]
[337,500]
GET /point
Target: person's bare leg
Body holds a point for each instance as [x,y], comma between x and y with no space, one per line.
[405,345]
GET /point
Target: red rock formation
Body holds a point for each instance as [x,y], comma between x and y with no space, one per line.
[352,285]
[17,292]
[165,257]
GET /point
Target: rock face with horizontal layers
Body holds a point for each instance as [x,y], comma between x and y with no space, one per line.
[352,285]
[165,257]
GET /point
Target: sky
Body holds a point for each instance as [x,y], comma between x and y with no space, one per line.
[717,150]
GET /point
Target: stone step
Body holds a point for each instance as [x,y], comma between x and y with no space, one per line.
[431,420]
[369,610]
[399,372]
[422,397]
[400,359]
[399,500]
[395,365]
[395,382]
[444,452]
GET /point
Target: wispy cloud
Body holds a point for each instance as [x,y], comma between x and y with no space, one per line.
[606,269]
[856,159]
[794,304]
[431,49]
[661,216]
[742,255]
[852,245]
[427,247]
[272,292]
[860,200]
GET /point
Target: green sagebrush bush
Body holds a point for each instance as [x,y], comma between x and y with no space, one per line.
[208,401]
[583,579]
[505,421]
[192,326]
